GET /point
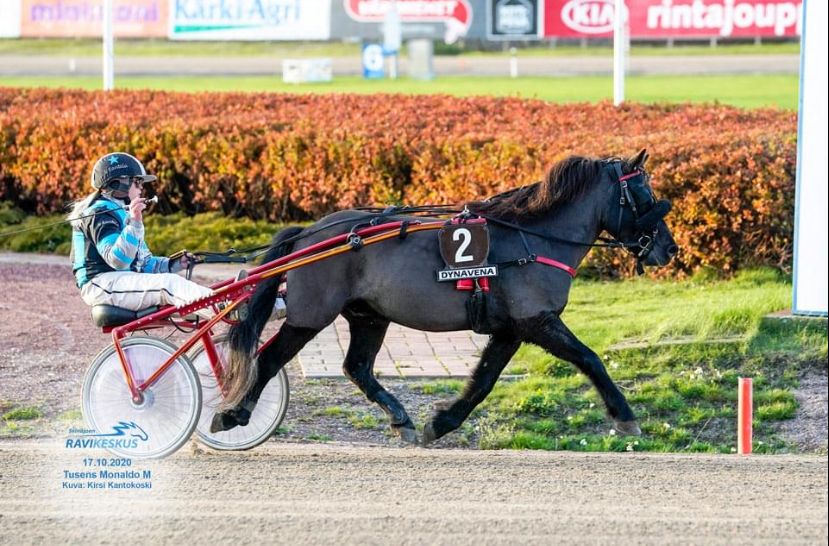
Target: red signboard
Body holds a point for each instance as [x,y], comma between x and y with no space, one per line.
[83,18]
[674,18]
[456,14]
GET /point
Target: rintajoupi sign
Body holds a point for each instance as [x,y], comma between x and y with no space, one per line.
[674,18]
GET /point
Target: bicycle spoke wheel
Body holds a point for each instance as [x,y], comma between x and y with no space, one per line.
[266,417]
[163,421]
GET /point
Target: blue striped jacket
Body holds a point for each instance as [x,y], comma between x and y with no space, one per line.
[110,241]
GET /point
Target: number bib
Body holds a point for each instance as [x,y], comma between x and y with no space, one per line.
[464,248]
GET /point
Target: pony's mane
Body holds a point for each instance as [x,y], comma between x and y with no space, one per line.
[566,181]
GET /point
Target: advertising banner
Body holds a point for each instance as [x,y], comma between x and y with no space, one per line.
[83,18]
[674,18]
[454,15]
[9,18]
[513,19]
[250,19]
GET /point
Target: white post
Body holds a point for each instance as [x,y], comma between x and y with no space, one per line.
[811,236]
[392,37]
[109,47]
[513,62]
[393,66]
[619,53]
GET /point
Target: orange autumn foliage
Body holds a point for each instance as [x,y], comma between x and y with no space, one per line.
[729,172]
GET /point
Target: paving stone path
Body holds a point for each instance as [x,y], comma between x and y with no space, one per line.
[405,353]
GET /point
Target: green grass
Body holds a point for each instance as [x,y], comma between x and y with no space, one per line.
[23,413]
[676,349]
[155,47]
[447,386]
[333,411]
[71,415]
[359,419]
[747,91]
[318,437]
[166,234]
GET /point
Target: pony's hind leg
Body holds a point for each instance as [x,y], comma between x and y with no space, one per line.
[552,335]
[367,335]
[289,341]
[496,355]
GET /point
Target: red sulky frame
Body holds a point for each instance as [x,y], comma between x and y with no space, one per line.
[236,292]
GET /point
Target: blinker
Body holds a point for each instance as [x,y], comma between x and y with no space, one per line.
[653,216]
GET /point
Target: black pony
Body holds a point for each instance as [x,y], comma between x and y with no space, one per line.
[558,219]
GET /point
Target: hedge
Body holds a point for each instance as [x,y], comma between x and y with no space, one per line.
[730,172]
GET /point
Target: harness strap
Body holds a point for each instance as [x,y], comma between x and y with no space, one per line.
[404,229]
[606,242]
[532,258]
[617,169]
[526,244]
[555,263]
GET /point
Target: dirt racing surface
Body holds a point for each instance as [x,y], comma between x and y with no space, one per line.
[340,494]
[359,487]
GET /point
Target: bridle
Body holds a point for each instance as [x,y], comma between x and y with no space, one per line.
[647,211]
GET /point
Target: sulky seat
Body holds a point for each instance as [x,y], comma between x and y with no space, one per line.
[110,316]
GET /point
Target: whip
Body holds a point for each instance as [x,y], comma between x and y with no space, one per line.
[153,200]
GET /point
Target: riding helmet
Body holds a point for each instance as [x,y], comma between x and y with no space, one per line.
[116,171]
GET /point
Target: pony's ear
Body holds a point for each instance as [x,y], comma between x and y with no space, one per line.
[638,161]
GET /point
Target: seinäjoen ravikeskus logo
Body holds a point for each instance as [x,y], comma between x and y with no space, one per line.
[124,435]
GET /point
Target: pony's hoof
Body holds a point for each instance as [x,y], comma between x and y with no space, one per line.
[428,435]
[408,435]
[628,428]
[229,419]
[222,422]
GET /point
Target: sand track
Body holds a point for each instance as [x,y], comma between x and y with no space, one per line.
[310,494]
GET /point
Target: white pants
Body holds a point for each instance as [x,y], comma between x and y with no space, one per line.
[136,291]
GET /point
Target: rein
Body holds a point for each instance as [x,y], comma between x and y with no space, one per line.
[375,216]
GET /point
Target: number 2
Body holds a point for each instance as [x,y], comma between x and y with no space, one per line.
[460,257]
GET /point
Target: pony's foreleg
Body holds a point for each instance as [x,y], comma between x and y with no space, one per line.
[366,339]
[289,341]
[496,355]
[551,334]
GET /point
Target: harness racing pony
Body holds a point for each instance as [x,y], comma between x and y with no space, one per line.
[558,219]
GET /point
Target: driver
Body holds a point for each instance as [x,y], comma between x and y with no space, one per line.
[111,262]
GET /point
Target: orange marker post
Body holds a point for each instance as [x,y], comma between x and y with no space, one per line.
[744,415]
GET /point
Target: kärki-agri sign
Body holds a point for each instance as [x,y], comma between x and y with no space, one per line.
[455,14]
[250,19]
[674,18]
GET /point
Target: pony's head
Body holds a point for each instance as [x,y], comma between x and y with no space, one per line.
[627,208]
[634,215]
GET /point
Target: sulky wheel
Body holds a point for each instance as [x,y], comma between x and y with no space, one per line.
[269,412]
[165,418]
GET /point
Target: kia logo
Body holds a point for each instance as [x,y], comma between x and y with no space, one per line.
[589,16]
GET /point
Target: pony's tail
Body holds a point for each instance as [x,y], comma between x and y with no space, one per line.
[241,373]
